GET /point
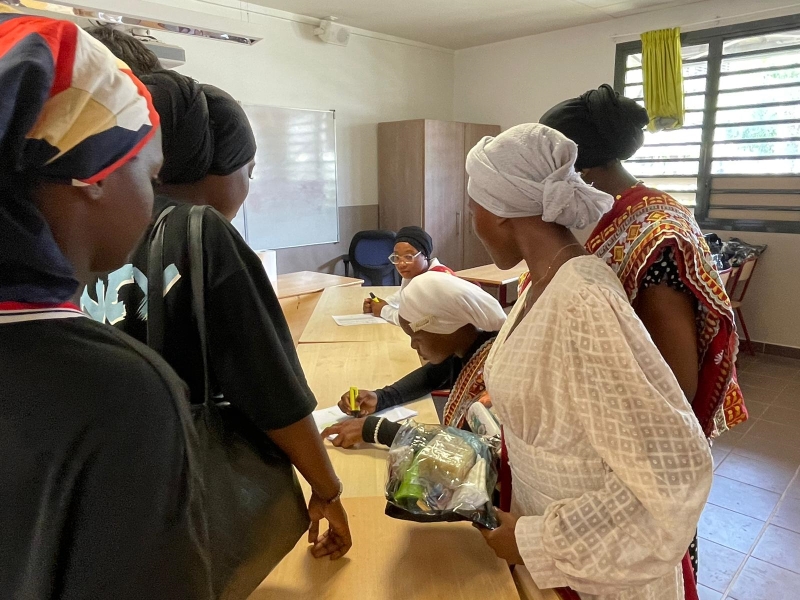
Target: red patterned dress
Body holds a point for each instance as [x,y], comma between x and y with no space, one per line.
[641,227]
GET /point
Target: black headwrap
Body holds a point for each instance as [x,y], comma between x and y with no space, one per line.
[417,237]
[605,125]
[204,130]
[185,126]
[234,142]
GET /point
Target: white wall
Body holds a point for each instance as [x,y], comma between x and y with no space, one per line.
[368,81]
[374,78]
[517,81]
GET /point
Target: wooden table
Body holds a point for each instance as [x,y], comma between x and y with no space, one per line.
[300,292]
[492,277]
[348,301]
[330,370]
[308,282]
[394,560]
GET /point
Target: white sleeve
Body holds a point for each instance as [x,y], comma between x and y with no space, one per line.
[637,527]
[391,312]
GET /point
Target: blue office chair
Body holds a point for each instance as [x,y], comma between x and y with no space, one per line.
[369,256]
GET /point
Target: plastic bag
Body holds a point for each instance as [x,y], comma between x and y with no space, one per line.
[715,245]
[440,473]
[737,252]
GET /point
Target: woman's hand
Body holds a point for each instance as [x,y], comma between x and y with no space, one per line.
[335,542]
[503,540]
[366,401]
[348,433]
[367,307]
[377,307]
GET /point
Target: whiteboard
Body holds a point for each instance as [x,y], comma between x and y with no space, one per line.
[292,199]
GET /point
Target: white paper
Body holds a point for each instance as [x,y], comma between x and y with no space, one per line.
[330,416]
[350,320]
[397,414]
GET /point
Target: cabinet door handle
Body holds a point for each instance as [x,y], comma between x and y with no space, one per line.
[458,223]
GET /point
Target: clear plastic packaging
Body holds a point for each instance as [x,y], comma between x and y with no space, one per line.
[440,473]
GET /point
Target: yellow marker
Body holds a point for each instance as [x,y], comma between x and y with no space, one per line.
[353,405]
[375,299]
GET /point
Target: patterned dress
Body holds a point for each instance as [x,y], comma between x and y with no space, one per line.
[610,467]
[632,238]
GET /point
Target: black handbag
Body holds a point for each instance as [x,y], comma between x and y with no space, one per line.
[255,510]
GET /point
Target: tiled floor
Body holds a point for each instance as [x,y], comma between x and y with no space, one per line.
[750,530]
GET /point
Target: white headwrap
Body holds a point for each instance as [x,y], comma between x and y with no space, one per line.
[443,303]
[529,170]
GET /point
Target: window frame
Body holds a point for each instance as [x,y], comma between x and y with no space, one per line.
[715,39]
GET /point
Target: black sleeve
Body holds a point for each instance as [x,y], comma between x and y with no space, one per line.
[416,384]
[133,522]
[665,270]
[252,353]
[386,434]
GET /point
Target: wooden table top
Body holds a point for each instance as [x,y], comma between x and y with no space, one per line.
[491,275]
[330,370]
[339,301]
[394,560]
[308,282]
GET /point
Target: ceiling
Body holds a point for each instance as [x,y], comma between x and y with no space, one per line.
[460,24]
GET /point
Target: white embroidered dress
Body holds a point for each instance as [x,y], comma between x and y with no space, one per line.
[609,464]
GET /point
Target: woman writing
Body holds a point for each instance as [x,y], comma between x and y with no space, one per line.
[451,323]
[610,468]
[99,489]
[413,255]
[654,245]
[209,152]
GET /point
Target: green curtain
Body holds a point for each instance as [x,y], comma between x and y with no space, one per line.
[662,68]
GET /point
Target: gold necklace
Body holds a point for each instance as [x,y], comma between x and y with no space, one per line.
[546,273]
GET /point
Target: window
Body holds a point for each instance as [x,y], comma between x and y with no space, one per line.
[736,161]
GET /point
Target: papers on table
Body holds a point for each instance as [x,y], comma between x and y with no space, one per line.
[330,416]
[350,320]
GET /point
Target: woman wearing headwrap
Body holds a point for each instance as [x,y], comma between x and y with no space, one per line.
[452,324]
[656,248]
[659,253]
[98,484]
[610,468]
[412,256]
[209,151]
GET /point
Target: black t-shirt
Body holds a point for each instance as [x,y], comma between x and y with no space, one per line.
[98,494]
[252,356]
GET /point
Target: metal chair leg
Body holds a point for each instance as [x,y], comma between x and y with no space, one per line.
[746,334]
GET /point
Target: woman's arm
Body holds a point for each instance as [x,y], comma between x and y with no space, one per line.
[303,445]
[418,383]
[670,318]
[255,364]
[390,310]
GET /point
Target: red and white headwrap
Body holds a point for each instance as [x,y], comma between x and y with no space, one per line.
[71,113]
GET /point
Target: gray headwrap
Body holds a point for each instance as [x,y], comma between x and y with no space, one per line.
[529,170]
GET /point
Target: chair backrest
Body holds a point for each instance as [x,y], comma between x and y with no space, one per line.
[369,255]
[725,277]
[742,280]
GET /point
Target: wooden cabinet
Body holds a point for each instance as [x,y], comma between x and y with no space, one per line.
[422,181]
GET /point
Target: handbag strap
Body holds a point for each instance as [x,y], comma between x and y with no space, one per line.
[156,310]
[196,275]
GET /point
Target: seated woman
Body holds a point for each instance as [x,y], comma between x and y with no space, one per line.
[413,250]
[610,468]
[452,324]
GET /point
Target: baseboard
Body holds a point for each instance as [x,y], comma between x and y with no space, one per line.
[775,350]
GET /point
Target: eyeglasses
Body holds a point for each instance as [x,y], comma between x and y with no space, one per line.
[396,259]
